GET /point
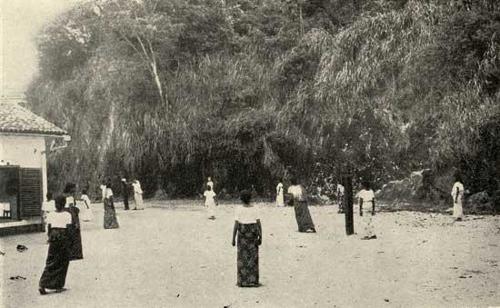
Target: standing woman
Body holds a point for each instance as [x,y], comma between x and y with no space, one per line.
[249,231]
[367,210]
[110,221]
[302,214]
[280,198]
[457,193]
[138,195]
[58,256]
[74,231]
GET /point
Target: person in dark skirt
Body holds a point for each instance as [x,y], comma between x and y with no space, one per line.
[125,193]
[248,230]
[74,231]
[110,221]
[299,202]
[58,256]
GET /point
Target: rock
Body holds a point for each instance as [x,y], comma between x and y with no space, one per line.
[479,203]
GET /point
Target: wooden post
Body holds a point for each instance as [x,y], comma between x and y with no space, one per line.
[348,205]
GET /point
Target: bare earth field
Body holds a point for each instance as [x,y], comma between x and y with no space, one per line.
[171,255]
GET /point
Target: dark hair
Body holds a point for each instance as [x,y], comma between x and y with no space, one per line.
[84,191]
[70,187]
[458,177]
[294,180]
[60,202]
[245,196]
[365,184]
[209,187]
[49,196]
[108,184]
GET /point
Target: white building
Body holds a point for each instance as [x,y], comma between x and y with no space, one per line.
[23,169]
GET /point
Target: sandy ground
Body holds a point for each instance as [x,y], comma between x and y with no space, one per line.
[173,256]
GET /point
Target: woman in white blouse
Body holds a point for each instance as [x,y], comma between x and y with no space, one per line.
[299,201]
[367,210]
[58,256]
[110,221]
[248,230]
[139,205]
[457,193]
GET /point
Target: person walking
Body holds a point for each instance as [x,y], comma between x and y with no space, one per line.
[86,209]
[280,198]
[299,201]
[125,193]
[367,210]
[58,255]
[248,232]
[110,221]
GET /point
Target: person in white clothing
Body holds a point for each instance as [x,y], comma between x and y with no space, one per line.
[367,210]
[139,205]
[48,206]
[210,183]
[340,197]
[210,202]
[85,210]
[457,193]
[280,197]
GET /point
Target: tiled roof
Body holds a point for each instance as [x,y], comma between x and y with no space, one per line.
[17,119]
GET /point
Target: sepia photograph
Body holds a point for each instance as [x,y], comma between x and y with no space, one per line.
[249,153]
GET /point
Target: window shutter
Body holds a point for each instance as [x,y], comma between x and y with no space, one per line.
[30,192]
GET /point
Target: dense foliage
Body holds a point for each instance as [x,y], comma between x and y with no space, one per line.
[251,91]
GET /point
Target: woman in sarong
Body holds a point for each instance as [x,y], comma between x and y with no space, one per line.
[367,211]
[139,205]
[457,193]
[58,256]
[74,231]
[280,199]
[248,229]
[85,207]
[110,221]
[299,201]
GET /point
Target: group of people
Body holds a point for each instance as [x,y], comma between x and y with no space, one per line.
[65,237]
[62,218]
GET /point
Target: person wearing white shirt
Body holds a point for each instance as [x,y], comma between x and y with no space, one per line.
[85,209]
[58,256]
[280,198]
[340,197]
[210,201]
[139,205]
[367,210]
[210,183]
[302,214]
[457,193]
[110,221]
[248,231]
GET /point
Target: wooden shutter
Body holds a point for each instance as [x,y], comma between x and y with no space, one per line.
[30,192]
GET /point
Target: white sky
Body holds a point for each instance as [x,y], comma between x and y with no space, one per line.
[20,20]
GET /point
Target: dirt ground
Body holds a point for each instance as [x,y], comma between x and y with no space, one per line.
[171,255]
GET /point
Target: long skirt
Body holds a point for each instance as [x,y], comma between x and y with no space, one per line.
[367,223]
[280,200]
[248,255]
[458,211]
[56,266]
[303,217]
[75,235]
[110,221]
[138,201]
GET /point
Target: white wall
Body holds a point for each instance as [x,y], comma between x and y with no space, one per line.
[25,151]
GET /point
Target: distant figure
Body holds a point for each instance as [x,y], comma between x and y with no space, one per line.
[367,210]
[280,198]
[248,228]
[299,201]
[210,202]
[210,183]
[139,205]
[86,210]
[58,256]
[340,197]
[48,206]
[125,193]
[110,221]
[457,193]
[74,231]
